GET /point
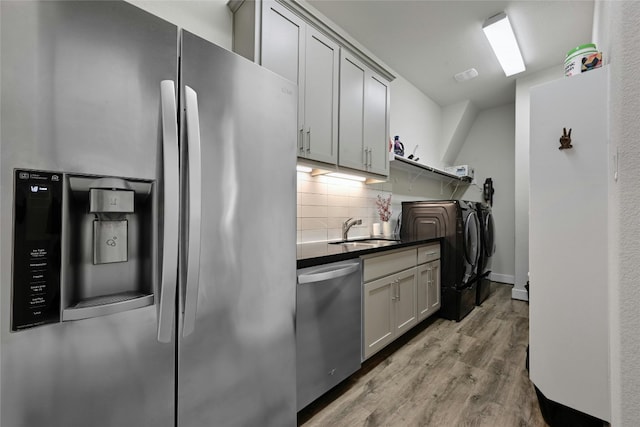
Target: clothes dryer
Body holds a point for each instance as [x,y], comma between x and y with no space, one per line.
[456,222]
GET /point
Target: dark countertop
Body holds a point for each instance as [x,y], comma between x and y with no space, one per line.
[312,254]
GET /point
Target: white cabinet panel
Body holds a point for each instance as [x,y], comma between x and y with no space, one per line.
[568,254]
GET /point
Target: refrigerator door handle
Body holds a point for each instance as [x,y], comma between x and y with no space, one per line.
[194,159]
[166,312]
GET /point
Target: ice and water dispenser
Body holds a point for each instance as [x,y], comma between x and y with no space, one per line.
[83,247]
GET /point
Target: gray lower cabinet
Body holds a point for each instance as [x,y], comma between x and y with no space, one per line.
[400,288]
[389,309]
[428,280]
[389,302]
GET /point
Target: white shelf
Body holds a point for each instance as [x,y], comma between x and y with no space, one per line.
[405,164]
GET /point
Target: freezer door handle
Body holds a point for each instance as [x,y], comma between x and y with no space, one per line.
[166,312]
[194,160]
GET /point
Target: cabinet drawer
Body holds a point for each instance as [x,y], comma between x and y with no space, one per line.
[428,253]
[383,265]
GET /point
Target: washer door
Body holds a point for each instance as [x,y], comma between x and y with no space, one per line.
[472,238]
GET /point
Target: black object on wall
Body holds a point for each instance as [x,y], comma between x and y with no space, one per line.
[488,190]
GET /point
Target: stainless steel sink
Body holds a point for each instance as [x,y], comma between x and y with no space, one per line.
[381,241]
[365,243]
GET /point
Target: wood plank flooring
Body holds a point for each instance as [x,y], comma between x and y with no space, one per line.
[442,373]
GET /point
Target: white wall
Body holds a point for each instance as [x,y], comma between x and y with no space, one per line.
[209,19]
[489,149]
[521,156]
[624,226]
[417,120]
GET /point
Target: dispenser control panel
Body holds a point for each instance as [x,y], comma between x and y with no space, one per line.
[36,250]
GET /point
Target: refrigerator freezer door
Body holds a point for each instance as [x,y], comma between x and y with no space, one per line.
[80,85]
[237,367]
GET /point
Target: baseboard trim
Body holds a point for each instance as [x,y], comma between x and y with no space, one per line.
[520,294]
[502,278]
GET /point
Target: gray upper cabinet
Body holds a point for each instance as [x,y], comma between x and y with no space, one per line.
[364,117]
[318,120]
[283,36]
[376,123]
[298,52]
[334,78]
[352,150]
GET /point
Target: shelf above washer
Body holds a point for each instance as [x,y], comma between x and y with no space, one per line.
[404,164]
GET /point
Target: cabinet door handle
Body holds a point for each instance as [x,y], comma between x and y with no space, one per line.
[309,139]
[398,288]
[301,141]
[365,153]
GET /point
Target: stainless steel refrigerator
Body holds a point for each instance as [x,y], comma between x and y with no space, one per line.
[147,239]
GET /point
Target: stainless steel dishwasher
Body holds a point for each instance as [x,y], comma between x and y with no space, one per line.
[328,327]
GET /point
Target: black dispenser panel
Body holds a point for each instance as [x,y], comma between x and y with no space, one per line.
[36,250]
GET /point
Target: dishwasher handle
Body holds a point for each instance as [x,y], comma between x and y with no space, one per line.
[328,274]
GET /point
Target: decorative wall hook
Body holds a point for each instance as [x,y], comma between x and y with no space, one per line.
[565,139]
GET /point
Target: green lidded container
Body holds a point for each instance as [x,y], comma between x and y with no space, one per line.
[574,58]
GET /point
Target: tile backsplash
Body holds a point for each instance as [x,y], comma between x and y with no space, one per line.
[324,203]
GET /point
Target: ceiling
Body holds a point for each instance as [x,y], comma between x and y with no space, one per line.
[427,42]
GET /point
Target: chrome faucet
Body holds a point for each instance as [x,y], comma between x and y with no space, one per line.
[346,226]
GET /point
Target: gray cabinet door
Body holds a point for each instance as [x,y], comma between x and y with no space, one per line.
[352,98]
[321,97]
[378,315]
[406,315]
[428,278]
[376,123]
[282,42]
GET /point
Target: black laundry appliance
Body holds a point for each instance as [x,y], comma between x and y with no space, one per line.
[456,221]
[487,249]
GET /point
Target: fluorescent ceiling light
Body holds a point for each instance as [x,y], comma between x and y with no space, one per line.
[503,42]
[347,176]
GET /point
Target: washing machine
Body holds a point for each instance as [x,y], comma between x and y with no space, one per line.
[487,249]
[456,222]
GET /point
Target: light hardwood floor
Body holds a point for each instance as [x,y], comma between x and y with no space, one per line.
[443,373]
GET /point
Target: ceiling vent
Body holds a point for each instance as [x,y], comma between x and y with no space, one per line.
[469,74]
